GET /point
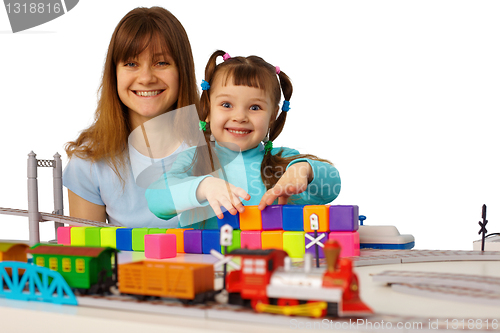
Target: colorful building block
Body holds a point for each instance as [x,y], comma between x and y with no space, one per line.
[192,241]
[312,249]
[251,239]
[124,239]
[236,242]
[157,231]
[272,239]
[294,243]
[138,238]
[344,218]
[93,236]
[179,233]
[210,239]
[232,220]
[160,246]
[78,236]
[108,237]
[251,219]
[272,217]
[293,217]
[322,212]
[64,235]
[348,240]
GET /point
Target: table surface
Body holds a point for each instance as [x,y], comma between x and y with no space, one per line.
[389,305]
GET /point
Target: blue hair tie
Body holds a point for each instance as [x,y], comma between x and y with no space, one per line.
[286,106]
[205,85]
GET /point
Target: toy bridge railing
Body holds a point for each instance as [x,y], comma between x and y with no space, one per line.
[44,217]
[29,282]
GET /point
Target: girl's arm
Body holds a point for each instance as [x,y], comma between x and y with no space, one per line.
[81,208]
[307,181]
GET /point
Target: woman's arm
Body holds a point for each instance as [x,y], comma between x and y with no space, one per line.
[81,208]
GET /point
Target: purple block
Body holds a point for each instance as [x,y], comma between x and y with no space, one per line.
[192,241]
[312,249]
[272,217]
[344,218]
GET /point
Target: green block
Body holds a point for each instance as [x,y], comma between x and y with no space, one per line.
[157,231]
[236,242]
[294,243]
[138,238]
[108,237]
[93,236]
[78,236]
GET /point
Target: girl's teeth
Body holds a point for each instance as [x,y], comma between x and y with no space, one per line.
[148,93]
[239,132]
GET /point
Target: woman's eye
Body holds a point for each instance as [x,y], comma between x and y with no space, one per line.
[130,64]
[226,105]
[163,63]
[255,108]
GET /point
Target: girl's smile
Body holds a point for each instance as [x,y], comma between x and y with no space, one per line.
[239,114]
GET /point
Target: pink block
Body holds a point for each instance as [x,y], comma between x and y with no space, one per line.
[160,246]
[251,239]
[349,242]
[64,235]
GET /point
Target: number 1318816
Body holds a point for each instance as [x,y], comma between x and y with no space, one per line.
[477,324]
[33,8]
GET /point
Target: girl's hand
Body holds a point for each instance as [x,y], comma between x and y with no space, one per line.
[221,193]
[293,181]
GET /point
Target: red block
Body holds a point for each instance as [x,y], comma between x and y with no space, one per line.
[64,235]
[160,246]
[348,241]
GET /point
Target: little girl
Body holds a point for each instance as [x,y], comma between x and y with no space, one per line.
[239,110]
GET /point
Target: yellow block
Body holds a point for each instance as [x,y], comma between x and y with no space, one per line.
[272,239]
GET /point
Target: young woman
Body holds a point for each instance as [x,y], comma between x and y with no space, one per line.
[149,71]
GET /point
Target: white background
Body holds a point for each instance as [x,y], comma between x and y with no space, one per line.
[400,95]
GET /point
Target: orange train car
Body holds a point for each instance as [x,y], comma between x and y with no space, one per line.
[184,281]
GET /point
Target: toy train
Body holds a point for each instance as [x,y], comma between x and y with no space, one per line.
[266,281]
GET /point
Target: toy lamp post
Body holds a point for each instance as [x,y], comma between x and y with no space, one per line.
[226,239]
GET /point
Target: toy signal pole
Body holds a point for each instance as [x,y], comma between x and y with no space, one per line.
[226,239]
[483,230]
[313,219]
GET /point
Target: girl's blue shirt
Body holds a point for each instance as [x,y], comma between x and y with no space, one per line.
[175,192]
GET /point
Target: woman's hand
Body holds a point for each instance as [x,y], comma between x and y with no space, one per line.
[221,193]
[294,181]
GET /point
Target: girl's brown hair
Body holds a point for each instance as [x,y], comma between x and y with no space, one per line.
[142,28]
[252,71]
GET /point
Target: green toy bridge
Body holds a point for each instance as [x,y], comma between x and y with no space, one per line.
[27,282]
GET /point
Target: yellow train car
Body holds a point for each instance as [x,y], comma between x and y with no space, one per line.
[13,251]
[184,281]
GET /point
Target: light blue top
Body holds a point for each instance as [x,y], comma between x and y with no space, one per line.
[175,191]
[125,205]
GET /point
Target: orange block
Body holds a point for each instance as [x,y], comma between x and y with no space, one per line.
[179,235]
[251,219]
[323,213]
[272,239]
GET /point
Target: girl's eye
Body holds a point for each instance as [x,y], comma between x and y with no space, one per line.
[163,63]
[226,105]
[129,64]
[255,108]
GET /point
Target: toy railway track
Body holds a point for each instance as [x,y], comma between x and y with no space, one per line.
[44,217]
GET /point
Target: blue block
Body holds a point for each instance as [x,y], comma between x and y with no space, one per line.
[210,239]
[403,246]
[293,217]
[124,239]
[232,220]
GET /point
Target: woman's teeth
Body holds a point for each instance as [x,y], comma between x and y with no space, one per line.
[148,93]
